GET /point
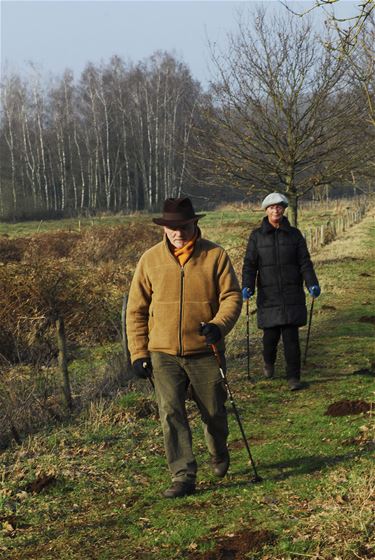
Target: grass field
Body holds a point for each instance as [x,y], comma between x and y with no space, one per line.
[91,488]
[227,215]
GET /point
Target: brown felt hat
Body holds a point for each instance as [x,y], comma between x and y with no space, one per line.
[177,212]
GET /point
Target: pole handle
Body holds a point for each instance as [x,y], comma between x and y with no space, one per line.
[216,354]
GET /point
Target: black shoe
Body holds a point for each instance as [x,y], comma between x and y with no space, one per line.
[269,370]
[295,384]
[220,464]
[179,490]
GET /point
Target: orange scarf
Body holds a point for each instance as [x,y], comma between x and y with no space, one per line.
[184,254]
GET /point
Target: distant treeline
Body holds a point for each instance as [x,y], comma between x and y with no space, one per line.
[116,140]
[284,112]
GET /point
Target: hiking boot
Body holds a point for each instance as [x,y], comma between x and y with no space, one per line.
[220,464]
[295,384]
[268,370]
[179,490]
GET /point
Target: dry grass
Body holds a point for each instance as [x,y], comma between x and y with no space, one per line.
[349,245]
[341,516]
[82,276]
[27,401]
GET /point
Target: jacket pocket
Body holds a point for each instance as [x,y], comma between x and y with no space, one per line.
[164,327]
[193,314]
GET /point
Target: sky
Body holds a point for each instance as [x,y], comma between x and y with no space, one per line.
[55,35]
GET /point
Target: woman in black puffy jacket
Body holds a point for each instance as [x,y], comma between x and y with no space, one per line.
[277,262]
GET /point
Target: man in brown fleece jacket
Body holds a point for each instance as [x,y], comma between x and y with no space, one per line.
[184,297]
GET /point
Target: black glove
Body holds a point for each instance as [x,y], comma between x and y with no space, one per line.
[143,368]
[211,332]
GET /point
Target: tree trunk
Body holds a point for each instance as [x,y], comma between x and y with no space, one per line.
[293,207]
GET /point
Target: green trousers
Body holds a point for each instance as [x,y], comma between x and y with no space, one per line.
[171,376]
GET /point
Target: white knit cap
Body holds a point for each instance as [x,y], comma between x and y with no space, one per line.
[275,198]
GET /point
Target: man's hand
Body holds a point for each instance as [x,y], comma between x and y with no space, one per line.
[143,368]
[314,291]
[247,293]
[211,332]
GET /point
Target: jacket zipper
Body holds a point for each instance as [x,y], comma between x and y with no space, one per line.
[182,276]
[279,271]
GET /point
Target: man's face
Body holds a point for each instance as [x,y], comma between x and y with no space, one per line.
[275,213]
[180,235]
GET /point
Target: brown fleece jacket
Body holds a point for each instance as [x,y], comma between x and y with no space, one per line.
[168,302]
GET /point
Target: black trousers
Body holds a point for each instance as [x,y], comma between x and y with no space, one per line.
[292,351]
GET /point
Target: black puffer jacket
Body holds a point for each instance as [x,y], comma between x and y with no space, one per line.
[278,259]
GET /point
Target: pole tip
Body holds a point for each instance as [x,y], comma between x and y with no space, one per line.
[256,479]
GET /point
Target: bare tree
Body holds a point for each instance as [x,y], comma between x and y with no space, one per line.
[162,101]
[92,126]
[9,105]
[283,115]
[118,139]
[362,63]
[348,29]
[39,121]
[362,66]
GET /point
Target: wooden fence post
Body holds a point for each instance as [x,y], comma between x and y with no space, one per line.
[63,361]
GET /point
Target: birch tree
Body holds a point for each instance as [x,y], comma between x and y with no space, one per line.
[118,139]
[10,111]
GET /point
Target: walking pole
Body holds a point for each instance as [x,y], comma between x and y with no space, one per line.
[308,330]
[256,478]
[248,338]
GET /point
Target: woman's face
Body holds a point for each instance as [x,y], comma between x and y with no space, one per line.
[275,213]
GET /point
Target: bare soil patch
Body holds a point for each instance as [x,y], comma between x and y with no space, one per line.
[234,547]
[345,408]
